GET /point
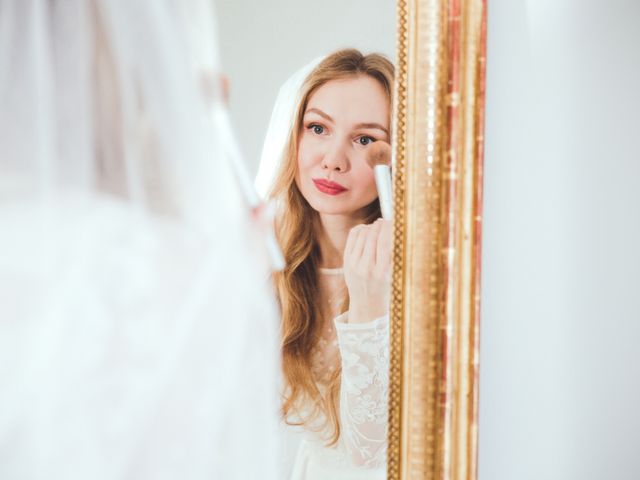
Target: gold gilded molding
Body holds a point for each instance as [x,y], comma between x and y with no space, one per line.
[437,165]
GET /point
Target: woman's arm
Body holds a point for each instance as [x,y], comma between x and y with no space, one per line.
[364,389]
[363,338]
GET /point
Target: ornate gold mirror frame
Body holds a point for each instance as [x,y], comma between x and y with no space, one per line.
[438,152]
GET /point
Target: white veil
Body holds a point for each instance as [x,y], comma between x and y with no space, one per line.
[138,338]
[280,124]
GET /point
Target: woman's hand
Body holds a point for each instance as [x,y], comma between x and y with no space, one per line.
[367,270]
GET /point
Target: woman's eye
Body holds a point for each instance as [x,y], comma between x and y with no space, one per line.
[317,129]
[364,140]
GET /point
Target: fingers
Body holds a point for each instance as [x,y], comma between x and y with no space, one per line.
[264,215]
[359,243]
[366,270]
[384,245]
[368,257]
[350,247]
[361,250]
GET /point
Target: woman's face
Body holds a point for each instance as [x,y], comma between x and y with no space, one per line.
[342,118]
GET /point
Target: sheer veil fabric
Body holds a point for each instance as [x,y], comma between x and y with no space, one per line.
[138,336]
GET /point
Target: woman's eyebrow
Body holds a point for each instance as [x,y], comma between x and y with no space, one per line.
[319,112]
[373,125]
[359,125]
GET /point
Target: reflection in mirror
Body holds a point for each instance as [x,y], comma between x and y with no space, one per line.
[334,291]
[318,167]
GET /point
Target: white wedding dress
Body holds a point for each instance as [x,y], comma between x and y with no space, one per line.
[362,350]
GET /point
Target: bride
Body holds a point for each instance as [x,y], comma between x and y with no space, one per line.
[334,291]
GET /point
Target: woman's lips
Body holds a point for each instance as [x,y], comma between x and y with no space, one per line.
[330,188]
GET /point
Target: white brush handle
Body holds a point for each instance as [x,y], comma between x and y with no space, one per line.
[383,183]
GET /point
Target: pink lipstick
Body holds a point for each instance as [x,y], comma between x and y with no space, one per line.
[328,187]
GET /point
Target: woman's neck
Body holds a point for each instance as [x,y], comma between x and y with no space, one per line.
[332,237]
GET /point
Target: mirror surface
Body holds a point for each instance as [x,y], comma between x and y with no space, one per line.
[344,356]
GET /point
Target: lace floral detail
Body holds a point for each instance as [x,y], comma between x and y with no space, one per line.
[325,359]
[364,390]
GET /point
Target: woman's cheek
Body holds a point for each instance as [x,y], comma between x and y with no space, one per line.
[305,154]
[366,178]
[365,185]
[303,162]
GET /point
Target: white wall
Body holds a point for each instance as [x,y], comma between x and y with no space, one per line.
[262,43]
[560,360]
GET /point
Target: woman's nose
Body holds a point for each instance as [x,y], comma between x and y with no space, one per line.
[336,158]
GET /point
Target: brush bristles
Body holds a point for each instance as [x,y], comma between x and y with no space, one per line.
[379,153]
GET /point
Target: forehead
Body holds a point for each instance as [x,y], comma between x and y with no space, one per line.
[359,99]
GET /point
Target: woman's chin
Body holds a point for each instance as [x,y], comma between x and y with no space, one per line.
[336,208]
[330,206]
[342,204]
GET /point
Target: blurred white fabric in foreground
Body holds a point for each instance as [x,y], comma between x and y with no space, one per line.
[138,337]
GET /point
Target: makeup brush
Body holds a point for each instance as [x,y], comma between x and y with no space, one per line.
[379,158]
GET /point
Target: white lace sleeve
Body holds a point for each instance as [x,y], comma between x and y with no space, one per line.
[364,348]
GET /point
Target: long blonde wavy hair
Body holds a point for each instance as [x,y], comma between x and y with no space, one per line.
[297,226]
